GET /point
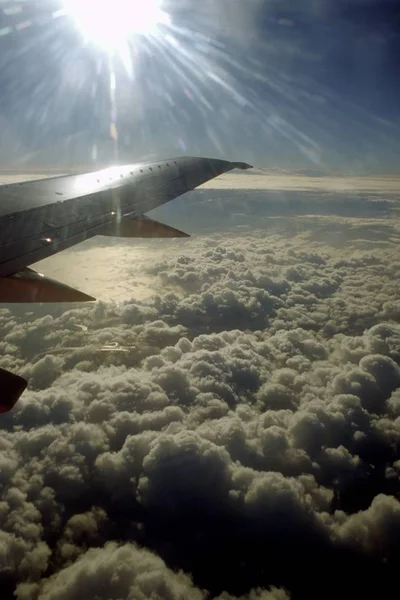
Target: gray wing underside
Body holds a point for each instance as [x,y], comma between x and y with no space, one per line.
[40,218]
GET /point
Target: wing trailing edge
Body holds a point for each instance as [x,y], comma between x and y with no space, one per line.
[30,286]
[142,227]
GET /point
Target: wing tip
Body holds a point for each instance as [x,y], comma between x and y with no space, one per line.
[242,165]
[86,298]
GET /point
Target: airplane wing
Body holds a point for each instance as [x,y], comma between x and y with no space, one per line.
[42,217]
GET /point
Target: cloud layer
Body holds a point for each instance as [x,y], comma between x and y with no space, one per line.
[233,435]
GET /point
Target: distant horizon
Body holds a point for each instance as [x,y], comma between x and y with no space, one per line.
[305,171]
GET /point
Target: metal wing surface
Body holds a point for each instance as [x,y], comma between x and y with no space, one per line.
[42,217]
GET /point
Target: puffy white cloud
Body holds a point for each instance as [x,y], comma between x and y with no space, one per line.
[125,571]
[240,425]
[375,530]
[115,572]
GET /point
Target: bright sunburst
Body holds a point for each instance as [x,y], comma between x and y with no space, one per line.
[111,23]
[173,66]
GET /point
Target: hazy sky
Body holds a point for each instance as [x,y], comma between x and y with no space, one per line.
[272,82]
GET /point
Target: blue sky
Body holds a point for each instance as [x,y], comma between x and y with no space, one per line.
[275,83]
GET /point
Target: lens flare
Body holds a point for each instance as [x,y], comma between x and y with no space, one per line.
[111,24]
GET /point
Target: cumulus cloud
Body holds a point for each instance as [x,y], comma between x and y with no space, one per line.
[229,436]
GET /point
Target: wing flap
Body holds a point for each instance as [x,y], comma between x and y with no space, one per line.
[11,388]
[30,286]
[143,227]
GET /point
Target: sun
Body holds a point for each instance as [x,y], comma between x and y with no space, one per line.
[110,23]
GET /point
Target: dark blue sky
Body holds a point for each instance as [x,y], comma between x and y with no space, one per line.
[278,83]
